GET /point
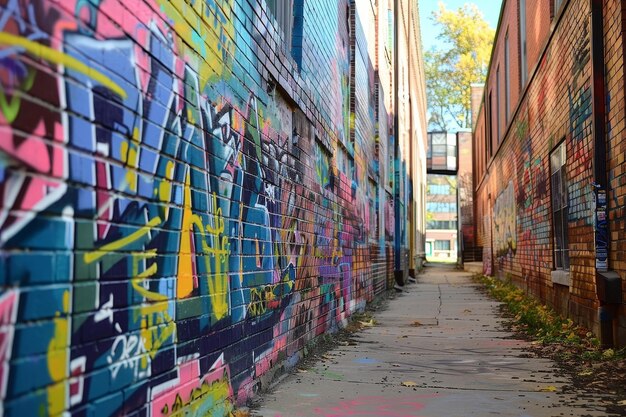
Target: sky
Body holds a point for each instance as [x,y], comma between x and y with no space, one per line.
[489,8]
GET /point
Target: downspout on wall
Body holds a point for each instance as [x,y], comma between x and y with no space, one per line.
[398,273]
[608,282]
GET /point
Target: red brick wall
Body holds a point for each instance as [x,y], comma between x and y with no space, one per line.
[614,28]
[476,98]
[537,29]
[513,207]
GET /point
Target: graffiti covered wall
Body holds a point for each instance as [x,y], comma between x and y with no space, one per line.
[514,186]
[176,215]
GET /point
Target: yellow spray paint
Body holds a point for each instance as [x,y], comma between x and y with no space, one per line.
[216,393]
[130,156]
[58,359]
[11,108]
[165,188]
[57,57]
[217,275]
[157,327]
[218,278]
[156,324]
[138,277]
[93,256]
[184,285]
[210,32]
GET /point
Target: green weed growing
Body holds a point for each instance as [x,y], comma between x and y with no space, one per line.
[544,325]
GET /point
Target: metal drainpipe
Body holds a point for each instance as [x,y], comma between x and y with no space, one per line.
[396,152]
[606,280]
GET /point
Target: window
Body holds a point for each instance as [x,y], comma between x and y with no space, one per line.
[489,127]
[522,41]
[498,104]
[351,168]
[557,6]
[442,245]
[559,207]
[441,225]
[282,10]
[441,207]
[390,38]
[507,86]
[439,189]
[297,32]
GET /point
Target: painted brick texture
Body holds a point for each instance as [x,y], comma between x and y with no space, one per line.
[514,190]
[187,202]
[615,31]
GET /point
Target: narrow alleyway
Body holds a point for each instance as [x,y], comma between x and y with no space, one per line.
[439,349]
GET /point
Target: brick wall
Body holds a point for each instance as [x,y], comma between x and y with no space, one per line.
[615,29]
[185,205]
[538,20]
[513,192]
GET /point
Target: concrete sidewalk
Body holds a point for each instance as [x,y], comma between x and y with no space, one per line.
[438,349]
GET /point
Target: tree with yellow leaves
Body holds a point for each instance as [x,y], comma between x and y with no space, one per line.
[461,61]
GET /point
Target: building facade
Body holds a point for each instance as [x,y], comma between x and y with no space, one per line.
[450,229]
[192,192]
[442,218]
[410,147]
[548,158]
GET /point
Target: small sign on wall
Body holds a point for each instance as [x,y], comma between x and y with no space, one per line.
[601,231]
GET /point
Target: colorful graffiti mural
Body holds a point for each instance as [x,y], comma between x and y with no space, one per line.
[505,222]
[169,229]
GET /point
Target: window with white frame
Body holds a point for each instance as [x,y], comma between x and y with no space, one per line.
[560,209]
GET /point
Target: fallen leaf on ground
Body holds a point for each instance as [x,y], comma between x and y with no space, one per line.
[623,402]
[586,373]
[405,353]
[416,323]
[549,388]
[409,384]
[609,353]
[367,323]
[467,311]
